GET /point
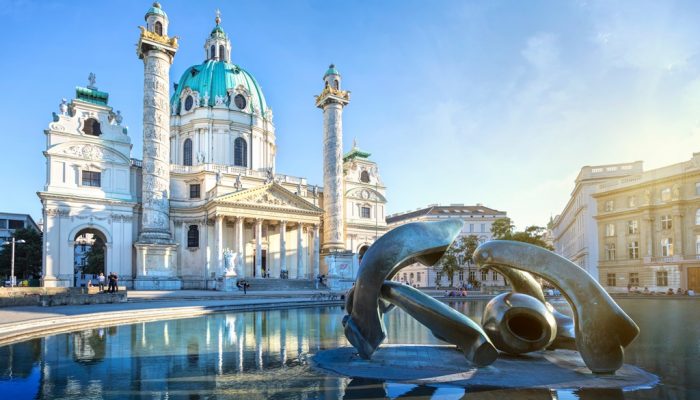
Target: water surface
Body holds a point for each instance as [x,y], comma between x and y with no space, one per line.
[265,355]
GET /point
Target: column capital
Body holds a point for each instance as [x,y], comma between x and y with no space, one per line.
[259,221]
[283,221]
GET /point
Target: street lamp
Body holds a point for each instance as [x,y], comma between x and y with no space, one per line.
[12,263]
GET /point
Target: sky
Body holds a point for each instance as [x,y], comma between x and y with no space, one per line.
[492,102]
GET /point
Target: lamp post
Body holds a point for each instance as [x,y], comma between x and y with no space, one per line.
[12,262]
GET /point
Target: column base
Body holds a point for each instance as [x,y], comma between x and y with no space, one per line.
[227,284]
[156,266]
[340,271]
[52,281]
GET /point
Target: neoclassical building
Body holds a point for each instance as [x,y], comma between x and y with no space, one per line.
[205,201]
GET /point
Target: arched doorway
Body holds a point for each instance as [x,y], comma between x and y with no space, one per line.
[89,255]
[361,252]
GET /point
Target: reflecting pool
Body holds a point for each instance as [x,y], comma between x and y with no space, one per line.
[265,355]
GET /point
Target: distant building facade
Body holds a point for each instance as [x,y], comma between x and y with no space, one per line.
[477,221]
[10,222]
[649,229]
[574,231]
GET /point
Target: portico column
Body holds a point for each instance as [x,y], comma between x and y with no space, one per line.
[677,234]
[300,254]
[219,239]
[239,248]
[283,248]
[258,247]
[317,256]
[183,247]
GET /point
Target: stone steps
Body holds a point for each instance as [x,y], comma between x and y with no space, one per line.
[275,284]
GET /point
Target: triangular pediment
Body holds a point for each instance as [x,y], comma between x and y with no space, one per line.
[269,196]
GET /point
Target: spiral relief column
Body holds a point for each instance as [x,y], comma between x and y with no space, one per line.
[156,251]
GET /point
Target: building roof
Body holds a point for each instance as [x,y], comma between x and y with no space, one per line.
[449,210]
[91,95]
[216,78]
[331,71]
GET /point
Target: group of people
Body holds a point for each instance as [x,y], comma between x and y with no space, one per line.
[112,282]
[243,285]
[669,292]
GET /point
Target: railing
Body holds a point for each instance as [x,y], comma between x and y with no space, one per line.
[234,170]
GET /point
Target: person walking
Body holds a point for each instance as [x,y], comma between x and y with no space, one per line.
[116,282]
[110,282]
[101,281]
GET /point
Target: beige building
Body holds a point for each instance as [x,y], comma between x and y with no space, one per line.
[477,221]
[574,232]
[649,229]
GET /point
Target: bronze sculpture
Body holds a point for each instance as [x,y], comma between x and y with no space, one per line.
[517,322]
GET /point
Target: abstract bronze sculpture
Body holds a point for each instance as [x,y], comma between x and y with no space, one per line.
[517,322]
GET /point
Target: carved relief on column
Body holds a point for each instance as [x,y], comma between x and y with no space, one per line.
[258,247]
[283,248]
[155,224]
[300,251]
[333,233]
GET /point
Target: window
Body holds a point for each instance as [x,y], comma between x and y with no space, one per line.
[461,275]
[212,52]
[336,84]
[239,101]
[666,247]
[633,250]
[661,278]
[666,222]
[632,227]
[609,205]
[365,212]
[193,236]
[610,230]
[15,224]
[697,216]
[438,276]
[494,275]
[697,188]
[194,191]
[91,178]
[364,177]
[222,52]
[610,251]
[472,276]
[240,152]
[611,280]
[159,28]
[666,194]
[92,127]
[189,102]
[634,278]
[483,227]
[471,227]
[418,277]
[187,152]
[484,275]
[631,201]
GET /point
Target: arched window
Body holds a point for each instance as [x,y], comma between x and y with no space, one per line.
[697,217]
[187,152]
[222,52]
[193,236]
[189,102]
[364,176]
[159,28]
[240,152]
[212,52]
[336,84]
[92,127]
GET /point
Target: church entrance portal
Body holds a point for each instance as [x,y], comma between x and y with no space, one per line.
[89,256]
[263,263]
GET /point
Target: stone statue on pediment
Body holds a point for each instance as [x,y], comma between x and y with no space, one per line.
[63,107]
[237,184]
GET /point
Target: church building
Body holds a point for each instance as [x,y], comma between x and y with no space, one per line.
[205,205]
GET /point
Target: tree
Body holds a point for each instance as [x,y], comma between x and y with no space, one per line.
[469,245]
[95,258]
[27,255]
[503,229]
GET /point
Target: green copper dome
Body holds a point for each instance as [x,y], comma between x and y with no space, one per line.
[331,71]
[155,10]
[216,78]
[218,31]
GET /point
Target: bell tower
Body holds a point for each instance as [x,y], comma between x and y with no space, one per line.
[156,259]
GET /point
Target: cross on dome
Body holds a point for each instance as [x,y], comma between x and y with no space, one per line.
[218,17]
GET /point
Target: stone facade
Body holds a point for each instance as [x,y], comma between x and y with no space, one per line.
[574,231]
[648,229]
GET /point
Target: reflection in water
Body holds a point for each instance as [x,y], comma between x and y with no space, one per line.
[256,355]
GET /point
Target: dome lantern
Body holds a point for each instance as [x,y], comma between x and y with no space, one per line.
[157,20]
[217,46]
